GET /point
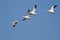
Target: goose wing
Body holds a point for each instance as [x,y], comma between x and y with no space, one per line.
[53,7]
[28,12]
[34,8]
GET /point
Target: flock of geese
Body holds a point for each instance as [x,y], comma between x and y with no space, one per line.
[33,12]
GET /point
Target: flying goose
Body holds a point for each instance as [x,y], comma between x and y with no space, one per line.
[52,9]
[14,23]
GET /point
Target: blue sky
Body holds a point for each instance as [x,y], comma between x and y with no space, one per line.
[43,26]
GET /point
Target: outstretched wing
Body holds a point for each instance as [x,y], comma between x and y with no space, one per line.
[53,7]
[28,12]
[34,8]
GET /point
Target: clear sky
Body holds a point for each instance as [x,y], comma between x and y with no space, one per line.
[43,26]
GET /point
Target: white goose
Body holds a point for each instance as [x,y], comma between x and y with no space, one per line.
[27,17]
[52,9]
[33,12]
[14,23]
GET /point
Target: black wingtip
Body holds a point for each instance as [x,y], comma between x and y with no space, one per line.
[13,25]
[55,6]
[23,19]
[15,22]
[35,6]
[28,10]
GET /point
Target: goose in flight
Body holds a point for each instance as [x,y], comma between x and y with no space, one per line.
[14,23]
[33,12]
[52,9]
[27,17]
